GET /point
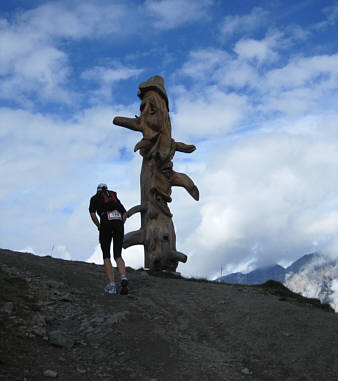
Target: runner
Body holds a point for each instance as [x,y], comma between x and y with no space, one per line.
[112,216]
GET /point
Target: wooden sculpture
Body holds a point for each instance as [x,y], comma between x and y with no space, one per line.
[157,148]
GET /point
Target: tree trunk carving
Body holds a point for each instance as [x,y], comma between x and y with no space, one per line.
[157,147]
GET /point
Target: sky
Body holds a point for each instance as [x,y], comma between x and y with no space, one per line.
[253,84]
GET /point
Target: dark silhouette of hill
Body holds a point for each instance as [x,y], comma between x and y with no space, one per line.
[274,272]
[55,317]
[257,276]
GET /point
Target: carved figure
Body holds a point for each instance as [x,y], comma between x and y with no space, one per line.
[157,148]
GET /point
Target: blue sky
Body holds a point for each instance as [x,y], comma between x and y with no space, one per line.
[253,84]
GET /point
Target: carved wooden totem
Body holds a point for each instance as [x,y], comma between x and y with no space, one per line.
[157,148]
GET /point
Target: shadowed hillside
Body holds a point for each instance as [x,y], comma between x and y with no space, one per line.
[55,318]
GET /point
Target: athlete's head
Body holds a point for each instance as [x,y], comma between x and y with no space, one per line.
[101,187]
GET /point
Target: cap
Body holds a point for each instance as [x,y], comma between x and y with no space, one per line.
[102,186]
[154,83]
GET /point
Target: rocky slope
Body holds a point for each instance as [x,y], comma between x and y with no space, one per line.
[316,278]
[56,322]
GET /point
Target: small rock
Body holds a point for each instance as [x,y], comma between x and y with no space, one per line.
[245,371]
[59,339]
[97,321]
[39,319]
[66,298]
[117,317]
[50,373]
[81,370]
[54,284]
[39,331]
[225,300]
[89,330]
[8,308]
[287,334]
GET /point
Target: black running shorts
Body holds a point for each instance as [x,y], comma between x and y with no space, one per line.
[111,230]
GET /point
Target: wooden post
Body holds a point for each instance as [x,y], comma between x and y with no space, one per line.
[157,148]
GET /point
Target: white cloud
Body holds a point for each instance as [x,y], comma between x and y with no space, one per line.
[219,67]
[264,122]
[33,60]
[106,77]
[296,33]
[27,249]
[96,257]
[302,71]
[304,84]
[301,85]
[267,193]
[133,256]
[169,14]
[76,19]
[331,14]
[202,63]
[233,24]
[103,74]
[29,63]
[208,114]
[263,50]
[260,199]
[51,168]
[60,251]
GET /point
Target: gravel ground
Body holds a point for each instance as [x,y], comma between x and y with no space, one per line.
[56,322]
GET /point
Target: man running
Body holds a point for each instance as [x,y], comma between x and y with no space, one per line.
[111,227]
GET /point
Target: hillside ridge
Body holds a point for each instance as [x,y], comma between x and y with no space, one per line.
[55,317]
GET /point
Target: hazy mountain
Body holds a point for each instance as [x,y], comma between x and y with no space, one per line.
[312,275]
[302,262]
[258,276]
[317,278]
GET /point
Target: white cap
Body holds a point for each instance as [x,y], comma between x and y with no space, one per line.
[102,186]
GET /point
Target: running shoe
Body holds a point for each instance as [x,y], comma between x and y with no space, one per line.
[124,286]
[110,288]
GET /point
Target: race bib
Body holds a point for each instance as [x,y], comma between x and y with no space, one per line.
[114,215]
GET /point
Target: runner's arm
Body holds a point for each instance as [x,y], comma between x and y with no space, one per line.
[124,217]
[95,219]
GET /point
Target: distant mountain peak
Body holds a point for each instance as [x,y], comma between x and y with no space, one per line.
[302,262]
[312,275]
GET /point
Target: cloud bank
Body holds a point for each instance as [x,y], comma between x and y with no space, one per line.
[255,94]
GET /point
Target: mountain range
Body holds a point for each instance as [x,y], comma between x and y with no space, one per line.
[313,275]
